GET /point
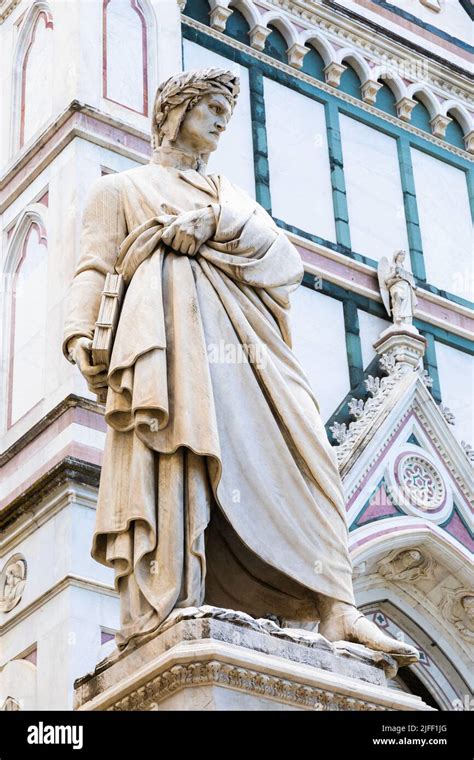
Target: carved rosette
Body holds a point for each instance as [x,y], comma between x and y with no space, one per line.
[420,482]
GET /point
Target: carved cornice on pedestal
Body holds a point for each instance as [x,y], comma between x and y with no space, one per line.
[333,72]
[258,36]
[404,108]
[369,90]
[439,124]
[296,54]
[469,141]
[219,14]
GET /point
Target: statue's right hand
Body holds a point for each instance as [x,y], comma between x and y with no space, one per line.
[79,349]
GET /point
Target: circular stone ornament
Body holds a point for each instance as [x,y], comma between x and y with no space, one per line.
[12,582]
[420,482]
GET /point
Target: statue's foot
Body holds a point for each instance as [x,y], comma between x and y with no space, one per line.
[348,624]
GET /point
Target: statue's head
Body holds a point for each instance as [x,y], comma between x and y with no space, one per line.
[399,258]
[193,108]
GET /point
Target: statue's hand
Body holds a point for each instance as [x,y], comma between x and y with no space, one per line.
[187,232]
[79,349]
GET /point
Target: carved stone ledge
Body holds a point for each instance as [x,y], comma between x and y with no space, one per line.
[405,344]
[258,36]
[439,125]
[296,54]
[469,141]
[219,15]
[209,658]
[404,108]
[369,90]
[333,72]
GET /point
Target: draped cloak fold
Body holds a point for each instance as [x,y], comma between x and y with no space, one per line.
[218,482]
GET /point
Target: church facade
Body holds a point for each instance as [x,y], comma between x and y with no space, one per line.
[354,130]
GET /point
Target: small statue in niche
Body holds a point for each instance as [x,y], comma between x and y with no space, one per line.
[397,288]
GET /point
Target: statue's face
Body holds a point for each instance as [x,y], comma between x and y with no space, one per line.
[203,124]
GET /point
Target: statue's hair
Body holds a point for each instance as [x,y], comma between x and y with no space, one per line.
[182,92]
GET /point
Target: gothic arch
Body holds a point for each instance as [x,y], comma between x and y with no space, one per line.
[32,222]
[320,44]
[139,16]
[425,96]
[38,18]
[459,113]
[247,10]
[391,80]
[358,63]
[274,19]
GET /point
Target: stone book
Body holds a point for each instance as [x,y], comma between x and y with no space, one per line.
[109,310]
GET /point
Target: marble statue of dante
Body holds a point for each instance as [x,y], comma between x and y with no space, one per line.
[218,485]
[397,287]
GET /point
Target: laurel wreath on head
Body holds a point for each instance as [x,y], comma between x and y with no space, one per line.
[188,87]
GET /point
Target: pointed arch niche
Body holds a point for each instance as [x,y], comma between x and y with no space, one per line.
[126,47]
[25,311]
[33,75]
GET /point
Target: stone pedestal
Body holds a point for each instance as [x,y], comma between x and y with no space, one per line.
[405,344]
[212,659]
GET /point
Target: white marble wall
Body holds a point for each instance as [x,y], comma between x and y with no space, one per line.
[445,223]
[374,191]
[322,352]
[234,157]
[370,328]
[456,378]
[300,182]
[68,598]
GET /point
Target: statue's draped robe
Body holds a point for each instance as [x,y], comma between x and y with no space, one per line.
[402,288]
[218,482]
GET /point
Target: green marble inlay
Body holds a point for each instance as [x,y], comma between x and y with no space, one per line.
[313,64]
[276,46]
[237,27]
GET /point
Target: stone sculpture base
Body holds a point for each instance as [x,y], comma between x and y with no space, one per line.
[208,658]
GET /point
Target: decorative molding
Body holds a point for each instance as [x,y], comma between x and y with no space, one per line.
[6,7]
[219,14]
[70,402]
[333,72]
[343,31]
[258,36]
[296,54]
[68,469]
[284,67]
[68,581]
[439,124]
[369,90]
[215,673]
[404,108]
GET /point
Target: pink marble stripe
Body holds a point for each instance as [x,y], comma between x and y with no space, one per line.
[441,312]
[89,419]
[76,450]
